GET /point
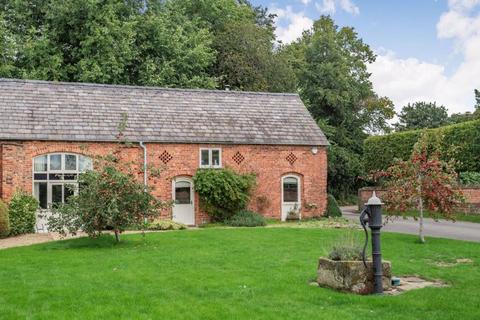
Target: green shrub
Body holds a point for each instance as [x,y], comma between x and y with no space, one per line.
[222,191]
[4,220]
[22,210]
[246,218]
[333,210]
[158,224]
[470,178]
[461,141]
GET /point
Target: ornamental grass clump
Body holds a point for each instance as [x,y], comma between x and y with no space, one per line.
[347,248]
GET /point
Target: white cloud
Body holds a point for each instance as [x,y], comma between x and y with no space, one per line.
[410,80]
[290,24]
[305,2]
[330,6]
[327,6]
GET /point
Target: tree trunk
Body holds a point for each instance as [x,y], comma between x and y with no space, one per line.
[117,235]
[420,208]
[422,237]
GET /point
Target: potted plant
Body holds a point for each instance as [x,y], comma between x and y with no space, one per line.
[293,214]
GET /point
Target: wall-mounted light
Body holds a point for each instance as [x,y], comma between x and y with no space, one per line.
[314,150]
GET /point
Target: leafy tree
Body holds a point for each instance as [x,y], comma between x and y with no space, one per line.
[477,99]
[107,198]
[468,116]
[172,49]
[119,42]
[244,53]
[423,182]
[422,115]
[331,69]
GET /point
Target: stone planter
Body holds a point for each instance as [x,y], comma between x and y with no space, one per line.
[351,276]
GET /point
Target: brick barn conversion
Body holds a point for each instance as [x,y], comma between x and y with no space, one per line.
[49,132]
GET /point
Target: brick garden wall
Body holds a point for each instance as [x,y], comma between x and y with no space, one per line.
[268,162]
[471,194]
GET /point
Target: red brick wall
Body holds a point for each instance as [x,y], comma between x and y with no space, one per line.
[471,194]
[268,162]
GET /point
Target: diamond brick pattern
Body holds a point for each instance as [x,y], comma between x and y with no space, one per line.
[238,157]
[165,157]
[291,158]
[60,111]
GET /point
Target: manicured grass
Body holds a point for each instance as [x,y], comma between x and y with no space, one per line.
[458,216]
[260,273]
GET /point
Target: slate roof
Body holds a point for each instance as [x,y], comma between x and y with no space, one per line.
[42,110]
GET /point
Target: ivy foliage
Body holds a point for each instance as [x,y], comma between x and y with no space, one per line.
[4,220]
[223,192]
[21,211]
[460,142]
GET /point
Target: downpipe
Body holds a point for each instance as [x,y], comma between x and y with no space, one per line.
[145,172]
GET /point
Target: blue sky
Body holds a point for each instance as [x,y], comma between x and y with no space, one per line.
[427,50]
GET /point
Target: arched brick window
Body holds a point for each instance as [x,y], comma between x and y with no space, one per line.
[55,176]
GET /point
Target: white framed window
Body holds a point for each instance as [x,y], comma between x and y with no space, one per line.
[55,176]
[210,157]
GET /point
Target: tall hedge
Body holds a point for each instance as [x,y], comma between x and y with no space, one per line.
[459,140]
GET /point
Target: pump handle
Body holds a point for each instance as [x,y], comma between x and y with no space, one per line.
[363,222]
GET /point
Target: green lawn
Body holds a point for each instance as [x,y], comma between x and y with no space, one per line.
[259,273]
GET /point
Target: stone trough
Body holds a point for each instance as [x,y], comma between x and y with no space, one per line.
[351,276]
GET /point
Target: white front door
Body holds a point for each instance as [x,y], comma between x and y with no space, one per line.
[183,196]
[290,195]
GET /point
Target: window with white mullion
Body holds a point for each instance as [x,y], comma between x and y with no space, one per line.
[55,176]
[210,157]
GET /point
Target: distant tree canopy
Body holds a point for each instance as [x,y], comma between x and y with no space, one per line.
[420,115]
[467,116]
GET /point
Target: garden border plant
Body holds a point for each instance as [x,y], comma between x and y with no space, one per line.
[22,210]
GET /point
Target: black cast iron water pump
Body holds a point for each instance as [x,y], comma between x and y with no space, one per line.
[372,216]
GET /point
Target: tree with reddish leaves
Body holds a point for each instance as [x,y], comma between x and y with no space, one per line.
[423,182]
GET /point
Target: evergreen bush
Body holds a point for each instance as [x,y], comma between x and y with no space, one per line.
[21,211]
[333,210]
